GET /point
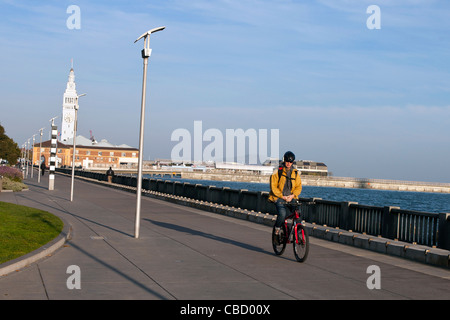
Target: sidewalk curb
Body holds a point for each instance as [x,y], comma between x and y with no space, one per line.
[38,254]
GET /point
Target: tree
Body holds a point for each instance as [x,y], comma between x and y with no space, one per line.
[9,150]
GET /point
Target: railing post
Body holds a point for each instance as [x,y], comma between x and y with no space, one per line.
[145,184]
[225,197]
[313,212]
[208,193]
[444,231]
[389,223]
[347,221]
[259,201]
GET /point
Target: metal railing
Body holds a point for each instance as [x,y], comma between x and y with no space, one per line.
[390,222]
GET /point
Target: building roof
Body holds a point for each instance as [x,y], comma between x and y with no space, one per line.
[83,141]
[86,143]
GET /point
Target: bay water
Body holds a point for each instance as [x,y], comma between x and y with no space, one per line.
[417,201]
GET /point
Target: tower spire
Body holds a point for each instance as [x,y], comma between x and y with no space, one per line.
[69,104]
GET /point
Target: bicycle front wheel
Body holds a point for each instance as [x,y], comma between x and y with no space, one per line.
[301,244]
[279,241]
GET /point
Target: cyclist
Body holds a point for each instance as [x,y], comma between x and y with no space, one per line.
[285,185]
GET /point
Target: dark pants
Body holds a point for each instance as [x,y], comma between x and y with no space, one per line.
[282,212]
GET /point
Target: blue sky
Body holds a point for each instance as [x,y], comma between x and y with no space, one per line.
[368,103]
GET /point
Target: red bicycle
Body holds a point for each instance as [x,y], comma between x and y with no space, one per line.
[294,233]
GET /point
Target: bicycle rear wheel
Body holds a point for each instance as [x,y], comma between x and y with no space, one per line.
[301,244]
[279,241]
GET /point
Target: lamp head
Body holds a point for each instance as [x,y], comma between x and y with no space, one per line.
[146,52]
[149,32]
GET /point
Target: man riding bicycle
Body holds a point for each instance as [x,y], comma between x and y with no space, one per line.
[285,185]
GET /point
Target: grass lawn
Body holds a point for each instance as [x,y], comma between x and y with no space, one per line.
[24,229]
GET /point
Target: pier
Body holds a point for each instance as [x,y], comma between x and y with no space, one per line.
[307,180]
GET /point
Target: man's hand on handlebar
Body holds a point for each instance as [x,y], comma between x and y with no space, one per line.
[288,198]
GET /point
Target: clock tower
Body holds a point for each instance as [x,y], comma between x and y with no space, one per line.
[69,104]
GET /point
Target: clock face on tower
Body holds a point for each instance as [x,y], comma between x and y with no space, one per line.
[68,118]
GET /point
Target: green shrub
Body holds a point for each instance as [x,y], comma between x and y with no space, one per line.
[9,184]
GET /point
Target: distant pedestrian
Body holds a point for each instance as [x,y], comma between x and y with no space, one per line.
[43,167]
[110,174]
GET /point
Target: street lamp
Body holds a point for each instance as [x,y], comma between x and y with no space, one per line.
[32,157]
[40,149]
[27,154]
[146,53]
[22,161]
[74,144]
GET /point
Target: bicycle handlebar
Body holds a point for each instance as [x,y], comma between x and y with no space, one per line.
[296,202]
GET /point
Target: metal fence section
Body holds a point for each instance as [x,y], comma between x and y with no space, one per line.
[366,219]
[417,227]
[328,213]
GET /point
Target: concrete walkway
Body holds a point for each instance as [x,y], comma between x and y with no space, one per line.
[188,254]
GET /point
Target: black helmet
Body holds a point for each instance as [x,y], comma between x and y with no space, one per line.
[289,157]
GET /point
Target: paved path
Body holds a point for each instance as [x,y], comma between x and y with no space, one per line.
[184,253]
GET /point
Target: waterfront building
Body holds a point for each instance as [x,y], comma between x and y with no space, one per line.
[89,154]
[308,167]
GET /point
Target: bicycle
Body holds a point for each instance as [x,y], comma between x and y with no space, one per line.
[295,233]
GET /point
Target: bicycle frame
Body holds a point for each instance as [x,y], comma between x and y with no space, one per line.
[295,216]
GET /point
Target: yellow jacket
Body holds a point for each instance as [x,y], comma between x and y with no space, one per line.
[276,185]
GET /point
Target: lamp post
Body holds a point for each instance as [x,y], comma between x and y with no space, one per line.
[146,53]
[23,159]
[40,150]
[27,155]
[32,157]
[74,144]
